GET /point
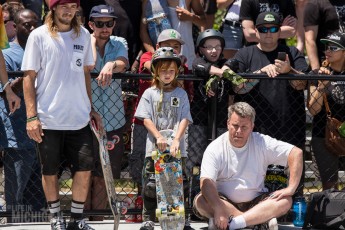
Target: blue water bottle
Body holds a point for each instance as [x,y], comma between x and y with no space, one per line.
[299,209]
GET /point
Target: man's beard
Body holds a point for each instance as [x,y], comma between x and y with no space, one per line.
[65,21]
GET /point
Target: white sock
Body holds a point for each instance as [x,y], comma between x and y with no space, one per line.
[237,222]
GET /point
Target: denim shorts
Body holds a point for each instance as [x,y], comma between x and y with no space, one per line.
[233,37]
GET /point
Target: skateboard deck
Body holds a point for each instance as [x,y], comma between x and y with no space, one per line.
[156,18]
[169,186]
[108,174]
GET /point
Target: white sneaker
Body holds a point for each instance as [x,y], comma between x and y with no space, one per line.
[273,224]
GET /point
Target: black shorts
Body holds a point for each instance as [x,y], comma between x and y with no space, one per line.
[73,145]
[210,6]
[243,207]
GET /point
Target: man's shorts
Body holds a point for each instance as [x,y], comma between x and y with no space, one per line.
[245,206]
[73,145]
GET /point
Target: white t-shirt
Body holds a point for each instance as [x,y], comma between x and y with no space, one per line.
[239,173]
[61,95]
[185,29]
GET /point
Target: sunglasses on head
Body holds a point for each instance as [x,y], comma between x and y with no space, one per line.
[333,48]
[100,24]
[264,30]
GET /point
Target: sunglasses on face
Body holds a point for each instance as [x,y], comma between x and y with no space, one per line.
[333,48]
[210,48]
[264,30]
[100,24]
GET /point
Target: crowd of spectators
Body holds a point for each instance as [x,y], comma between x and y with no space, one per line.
[255,44]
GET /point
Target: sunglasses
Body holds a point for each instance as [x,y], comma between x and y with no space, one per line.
[210,48]
[264,30]
[100,24]
[333,48]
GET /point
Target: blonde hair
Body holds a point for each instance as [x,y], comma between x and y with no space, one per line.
[52,27]
[163,64]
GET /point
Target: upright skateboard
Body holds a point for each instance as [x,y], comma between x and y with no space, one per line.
[169,186]
[107,173]
[156,18]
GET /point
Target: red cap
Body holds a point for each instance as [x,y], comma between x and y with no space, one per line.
[53,3]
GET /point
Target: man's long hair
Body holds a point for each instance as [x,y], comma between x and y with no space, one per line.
[52,27]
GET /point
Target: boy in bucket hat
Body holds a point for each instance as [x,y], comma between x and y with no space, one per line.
[58,105]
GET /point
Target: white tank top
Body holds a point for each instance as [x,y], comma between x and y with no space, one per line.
[185,29]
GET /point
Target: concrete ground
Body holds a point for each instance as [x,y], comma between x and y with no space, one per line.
[108,225]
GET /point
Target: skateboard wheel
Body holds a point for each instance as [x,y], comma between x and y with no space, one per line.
[178,154]
[154,155]
[181,211]
[158,212]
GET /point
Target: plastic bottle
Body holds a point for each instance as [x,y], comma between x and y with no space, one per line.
[129,202]
[139,205]
[299,209]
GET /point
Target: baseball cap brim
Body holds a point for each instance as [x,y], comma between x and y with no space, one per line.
[327,41]
[171,39]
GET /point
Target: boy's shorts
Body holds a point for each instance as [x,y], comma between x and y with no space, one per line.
[244,206]
[74,145]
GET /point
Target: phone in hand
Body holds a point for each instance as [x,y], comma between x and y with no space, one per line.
[281,56]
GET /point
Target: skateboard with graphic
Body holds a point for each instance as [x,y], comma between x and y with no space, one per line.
[169,186]
[116,207]
[156,18]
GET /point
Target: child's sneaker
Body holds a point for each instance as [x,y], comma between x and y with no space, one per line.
[78,225]
[58,223]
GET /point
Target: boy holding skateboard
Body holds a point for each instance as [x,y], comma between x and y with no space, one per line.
[163,106]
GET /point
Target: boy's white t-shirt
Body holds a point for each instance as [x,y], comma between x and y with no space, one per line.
[239,173]
[61,95]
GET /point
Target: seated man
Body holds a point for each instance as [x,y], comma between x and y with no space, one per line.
[234,166]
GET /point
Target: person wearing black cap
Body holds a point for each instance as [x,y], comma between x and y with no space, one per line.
[110,53]
[321,18]
[328,163]
[57,92]
[250,9]
[283,100]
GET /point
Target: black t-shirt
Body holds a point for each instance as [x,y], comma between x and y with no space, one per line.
[335,91]
[324,14]
[201,102]
[250,9]
[279,107]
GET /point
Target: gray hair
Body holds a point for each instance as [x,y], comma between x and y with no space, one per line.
[243,109]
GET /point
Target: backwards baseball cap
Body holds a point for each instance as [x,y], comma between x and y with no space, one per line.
[169,34]
[336,38]
[268,18]
[53,3]
[102,11]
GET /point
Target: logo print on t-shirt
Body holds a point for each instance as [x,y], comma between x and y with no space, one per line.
[174,102]
[78,62]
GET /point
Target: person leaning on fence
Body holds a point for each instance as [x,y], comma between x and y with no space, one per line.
[327,163]
[111,56]
[167,38]
[57,91]
[209,63]
[23,185]
[234,166]
[158,112]
[279,104]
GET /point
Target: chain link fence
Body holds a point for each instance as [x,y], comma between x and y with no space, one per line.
[22,198]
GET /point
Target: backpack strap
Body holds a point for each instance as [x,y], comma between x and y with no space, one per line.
[311,207]
[336,222]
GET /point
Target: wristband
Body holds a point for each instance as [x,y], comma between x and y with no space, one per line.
[31,119]
[5,85]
